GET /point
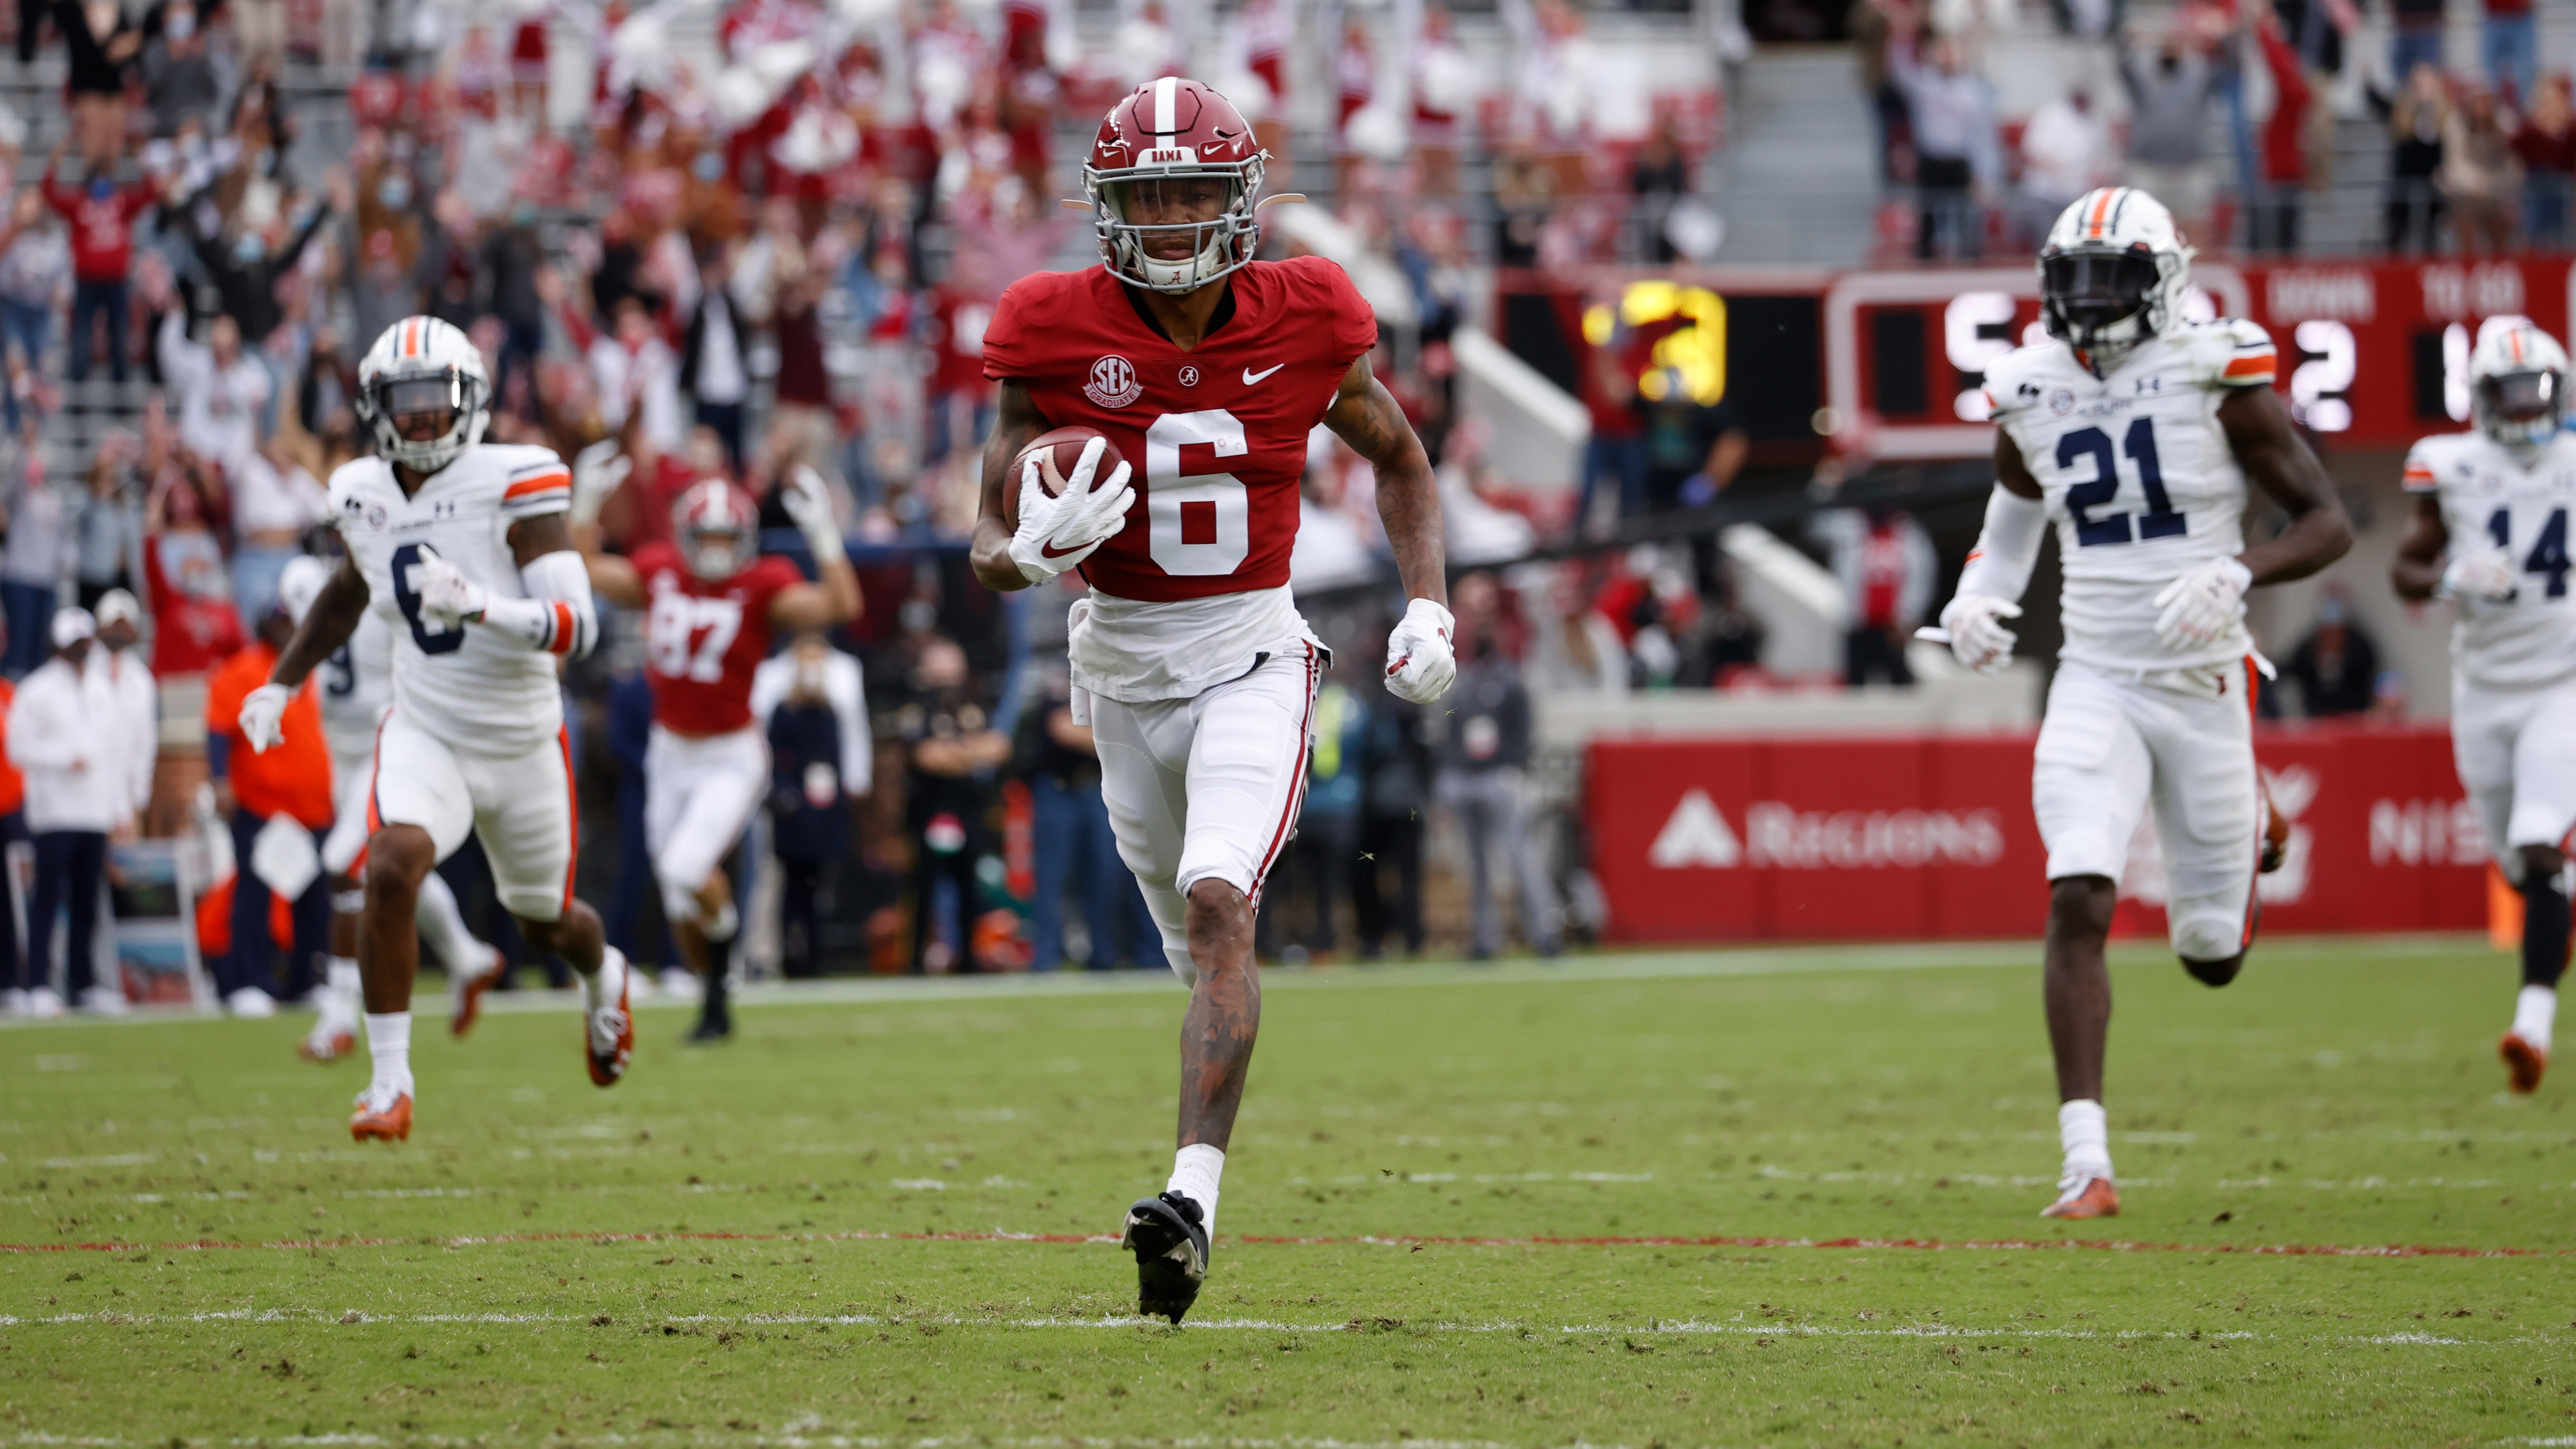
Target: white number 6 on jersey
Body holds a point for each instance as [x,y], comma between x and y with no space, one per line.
[1202,524]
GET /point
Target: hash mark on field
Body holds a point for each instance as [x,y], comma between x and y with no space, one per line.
[1938,1245]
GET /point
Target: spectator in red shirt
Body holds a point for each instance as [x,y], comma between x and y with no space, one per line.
[2285,150]
[102,227]
[2546,142]
[194,625]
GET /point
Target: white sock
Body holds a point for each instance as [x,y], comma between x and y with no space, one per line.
[389,1047]
[443,926]
[1195,1170]
[343,993]
[603,986]
[2535,1011]
[2086,1134]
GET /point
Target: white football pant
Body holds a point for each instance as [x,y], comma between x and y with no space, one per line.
[521,806]
[698,798]
[2110,747]
[1208,787]
[2516,749]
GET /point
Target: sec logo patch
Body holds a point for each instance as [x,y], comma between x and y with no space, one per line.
[1113,382]
[2061,401]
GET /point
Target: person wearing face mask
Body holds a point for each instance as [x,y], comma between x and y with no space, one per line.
[246,267]
[181,81]
[101,218]
[56,726]
[812,703]
[1484,764]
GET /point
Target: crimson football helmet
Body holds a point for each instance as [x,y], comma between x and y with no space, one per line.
[1162,151]
[718,529]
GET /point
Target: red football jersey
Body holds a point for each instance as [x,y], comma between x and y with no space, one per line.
[1217,437]
[702,641]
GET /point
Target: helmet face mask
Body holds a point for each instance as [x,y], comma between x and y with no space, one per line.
[2096,298]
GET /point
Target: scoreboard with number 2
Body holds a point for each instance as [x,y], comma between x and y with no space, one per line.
[2373,354]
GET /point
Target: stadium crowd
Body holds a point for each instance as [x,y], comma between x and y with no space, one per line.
[768,247]
[2229,109]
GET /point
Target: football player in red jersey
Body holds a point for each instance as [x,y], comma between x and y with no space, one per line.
[1190,663]
[712,602]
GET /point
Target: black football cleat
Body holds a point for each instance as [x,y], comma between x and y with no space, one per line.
[1171,1249]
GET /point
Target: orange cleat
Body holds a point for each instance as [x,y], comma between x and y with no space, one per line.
[469,994]
[330,1046]
[388,1123]
[2094,1197]
[2276,837]
[608,1037]
[2523,1062]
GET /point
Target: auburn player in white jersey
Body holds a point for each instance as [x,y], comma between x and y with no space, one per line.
[357,689]
[1190,663]
[2490,532]
[2135,432]
[462,548]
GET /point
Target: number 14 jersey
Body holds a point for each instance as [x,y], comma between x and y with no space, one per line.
[1196,581]
[2138,476]
[2489,496]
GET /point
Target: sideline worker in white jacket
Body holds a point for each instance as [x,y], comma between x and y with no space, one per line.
[134,701]
[62,738]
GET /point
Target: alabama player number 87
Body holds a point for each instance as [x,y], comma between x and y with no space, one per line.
[1191,666]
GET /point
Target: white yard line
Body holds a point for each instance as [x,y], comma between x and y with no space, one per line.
[1709,963]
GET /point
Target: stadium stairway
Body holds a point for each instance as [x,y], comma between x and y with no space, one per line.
[1798,182]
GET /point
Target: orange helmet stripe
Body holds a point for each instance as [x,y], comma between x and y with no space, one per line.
[2101,210]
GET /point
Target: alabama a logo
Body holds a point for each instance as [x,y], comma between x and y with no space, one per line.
[1113,382]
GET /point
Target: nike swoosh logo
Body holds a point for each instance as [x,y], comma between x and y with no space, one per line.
[1250,377]
[1049,550]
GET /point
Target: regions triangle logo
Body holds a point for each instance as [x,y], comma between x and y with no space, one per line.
[1695,835]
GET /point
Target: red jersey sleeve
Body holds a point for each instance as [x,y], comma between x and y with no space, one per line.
[1015,338]
[1353,322]
[651,558]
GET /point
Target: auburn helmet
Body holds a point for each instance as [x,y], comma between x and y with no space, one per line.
[718,529]
[2112,273]
[1173,179]
[424,366]
[2517,383]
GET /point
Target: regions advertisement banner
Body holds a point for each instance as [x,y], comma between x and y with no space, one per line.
[1932,838]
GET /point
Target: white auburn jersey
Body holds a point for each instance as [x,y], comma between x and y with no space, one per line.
[2489,497]
[471,688]
[357,686]
[2138,477]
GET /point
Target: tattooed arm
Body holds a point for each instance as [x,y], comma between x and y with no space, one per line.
[1365,416]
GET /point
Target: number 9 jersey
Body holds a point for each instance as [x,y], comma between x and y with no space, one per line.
[1217,438]
[2138,477]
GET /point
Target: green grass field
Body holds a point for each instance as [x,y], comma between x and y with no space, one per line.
[878,1216]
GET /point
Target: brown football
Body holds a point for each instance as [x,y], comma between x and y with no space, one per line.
[1058,453]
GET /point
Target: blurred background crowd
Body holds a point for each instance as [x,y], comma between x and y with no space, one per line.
[699,239]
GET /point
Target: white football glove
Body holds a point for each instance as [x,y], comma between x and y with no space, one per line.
[447,595]
[1421,663]
[263,717]
[2480,573]
[597,472]
[1060,532]
[1979,641]
[2203,605]
[808,501]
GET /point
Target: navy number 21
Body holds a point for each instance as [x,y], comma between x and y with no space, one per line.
[2159,521]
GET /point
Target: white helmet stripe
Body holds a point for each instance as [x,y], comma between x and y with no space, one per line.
[1167,93]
